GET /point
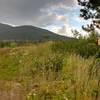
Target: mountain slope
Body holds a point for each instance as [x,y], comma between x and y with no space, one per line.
[22,33]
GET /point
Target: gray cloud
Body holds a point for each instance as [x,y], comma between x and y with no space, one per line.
[30,11]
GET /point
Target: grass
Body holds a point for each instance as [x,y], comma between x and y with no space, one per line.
[45,74]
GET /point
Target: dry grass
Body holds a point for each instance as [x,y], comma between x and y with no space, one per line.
[39,73]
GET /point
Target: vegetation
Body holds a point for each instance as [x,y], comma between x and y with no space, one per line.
[32,67]
[53,70]
[90,10]
[27,33]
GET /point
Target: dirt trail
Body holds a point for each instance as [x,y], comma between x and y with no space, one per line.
[11,91]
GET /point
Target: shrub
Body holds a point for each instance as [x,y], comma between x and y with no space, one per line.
[80,47]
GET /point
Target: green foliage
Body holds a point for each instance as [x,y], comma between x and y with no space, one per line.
[87,12]
[84,48]
[54,70]
[76,34]
[93,37]
[51,62]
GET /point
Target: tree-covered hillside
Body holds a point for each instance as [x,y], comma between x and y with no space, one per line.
[27,33]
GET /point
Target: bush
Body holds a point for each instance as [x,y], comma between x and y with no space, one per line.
[80,47]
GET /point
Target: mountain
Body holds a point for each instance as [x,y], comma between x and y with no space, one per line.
[27,32]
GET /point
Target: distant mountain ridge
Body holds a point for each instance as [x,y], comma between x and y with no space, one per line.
[27,32]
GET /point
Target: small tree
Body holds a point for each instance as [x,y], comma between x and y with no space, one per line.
[93,36]
[90,10]
[76,34]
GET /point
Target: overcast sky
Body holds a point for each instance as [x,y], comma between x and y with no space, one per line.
[59,16]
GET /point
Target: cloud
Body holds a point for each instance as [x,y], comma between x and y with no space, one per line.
[51,18]
[64,30]
[29,11]
[58,16]
[61,18]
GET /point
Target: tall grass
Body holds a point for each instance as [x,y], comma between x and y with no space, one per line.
[46,73]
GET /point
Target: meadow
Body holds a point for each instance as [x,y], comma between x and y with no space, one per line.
[53,70]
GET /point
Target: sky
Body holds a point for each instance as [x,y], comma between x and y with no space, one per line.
[59,16]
